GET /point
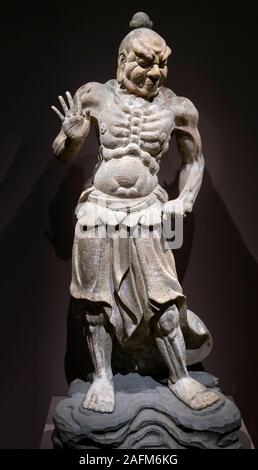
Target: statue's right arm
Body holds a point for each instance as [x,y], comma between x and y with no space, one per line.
[75,119]
[65,148]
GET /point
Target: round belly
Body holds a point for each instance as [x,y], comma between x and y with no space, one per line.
[125,177]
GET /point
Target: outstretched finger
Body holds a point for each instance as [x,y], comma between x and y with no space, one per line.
[79,104]
[58,113]
[63,104]
[70,101]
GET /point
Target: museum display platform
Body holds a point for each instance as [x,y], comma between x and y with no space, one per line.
[153,418]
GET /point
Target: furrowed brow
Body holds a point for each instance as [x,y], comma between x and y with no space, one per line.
[143,53]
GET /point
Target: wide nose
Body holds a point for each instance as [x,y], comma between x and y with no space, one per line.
[154,73]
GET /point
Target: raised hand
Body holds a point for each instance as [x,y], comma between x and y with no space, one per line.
[75,120]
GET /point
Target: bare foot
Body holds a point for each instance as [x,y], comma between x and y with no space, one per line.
[192,393]
[100,396]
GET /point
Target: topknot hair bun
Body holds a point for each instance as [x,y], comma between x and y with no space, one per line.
[140,20]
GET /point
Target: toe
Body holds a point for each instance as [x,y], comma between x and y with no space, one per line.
[212,397]
[89,401]
[199,401]
[203,400]
[102,407]
[196,403]
[110,408]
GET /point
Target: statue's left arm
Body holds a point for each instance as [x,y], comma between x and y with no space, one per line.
[190,148]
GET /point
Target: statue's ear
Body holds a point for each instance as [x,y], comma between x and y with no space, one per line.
[120,66]
[121,60]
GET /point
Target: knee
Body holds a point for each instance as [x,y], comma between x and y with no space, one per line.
[168,321]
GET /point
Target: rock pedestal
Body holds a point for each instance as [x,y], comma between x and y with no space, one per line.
[146,416]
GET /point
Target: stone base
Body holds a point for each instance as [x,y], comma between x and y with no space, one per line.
[146,416]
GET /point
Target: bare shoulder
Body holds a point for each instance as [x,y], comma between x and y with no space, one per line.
[92,94]
[185,111]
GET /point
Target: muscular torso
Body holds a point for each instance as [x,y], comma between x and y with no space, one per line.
[133,136]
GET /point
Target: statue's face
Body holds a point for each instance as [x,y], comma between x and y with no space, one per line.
[142,70]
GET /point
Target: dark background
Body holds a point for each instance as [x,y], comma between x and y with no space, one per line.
[49,48]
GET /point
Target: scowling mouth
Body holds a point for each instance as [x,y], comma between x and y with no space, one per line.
[149,83]
[147,86]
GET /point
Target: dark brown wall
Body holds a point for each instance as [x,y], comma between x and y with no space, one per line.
[60,47]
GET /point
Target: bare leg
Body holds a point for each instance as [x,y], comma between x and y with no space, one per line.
[170,341]
[100,396]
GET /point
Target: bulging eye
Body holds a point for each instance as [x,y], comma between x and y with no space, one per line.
[143,62]
[162,65]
